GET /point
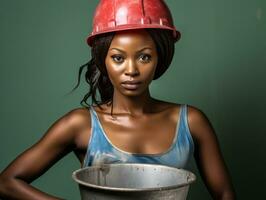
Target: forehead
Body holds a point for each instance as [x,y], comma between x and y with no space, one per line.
[132,39]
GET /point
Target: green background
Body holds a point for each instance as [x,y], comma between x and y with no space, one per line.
[219,67]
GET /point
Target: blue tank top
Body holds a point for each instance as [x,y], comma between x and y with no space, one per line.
[100,150]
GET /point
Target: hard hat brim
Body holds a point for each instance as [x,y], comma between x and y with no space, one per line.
[176,33]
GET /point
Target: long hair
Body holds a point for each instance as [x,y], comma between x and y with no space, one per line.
[96,74]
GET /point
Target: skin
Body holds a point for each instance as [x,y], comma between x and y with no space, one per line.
[135,126]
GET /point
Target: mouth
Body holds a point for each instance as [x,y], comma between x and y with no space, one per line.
[130,85]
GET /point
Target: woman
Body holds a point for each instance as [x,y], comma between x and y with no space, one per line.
[132,44]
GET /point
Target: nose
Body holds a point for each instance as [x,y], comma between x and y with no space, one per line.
[131,69]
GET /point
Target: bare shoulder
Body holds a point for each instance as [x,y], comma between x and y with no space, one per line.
[70,125]
[78,122]
[198,122]
[195,114]
[77,117]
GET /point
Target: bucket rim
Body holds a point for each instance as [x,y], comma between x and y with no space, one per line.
[191,178]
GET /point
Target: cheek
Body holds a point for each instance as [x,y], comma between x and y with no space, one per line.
[112,71]
[150,70]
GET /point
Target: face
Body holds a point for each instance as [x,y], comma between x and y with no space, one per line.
[131,62]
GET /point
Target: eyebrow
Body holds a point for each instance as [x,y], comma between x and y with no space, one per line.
[125,52]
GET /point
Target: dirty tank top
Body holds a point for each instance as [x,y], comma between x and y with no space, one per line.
[100,149]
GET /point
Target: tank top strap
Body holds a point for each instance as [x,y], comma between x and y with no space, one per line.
[85,160]
[184,127]
[97,139]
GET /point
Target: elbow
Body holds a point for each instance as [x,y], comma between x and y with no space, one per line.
[225,195]
[5,185]
[229,193]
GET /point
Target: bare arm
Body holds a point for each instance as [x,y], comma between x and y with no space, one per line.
[58,141]
[208,156]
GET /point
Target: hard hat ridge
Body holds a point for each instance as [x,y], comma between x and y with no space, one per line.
[118,15]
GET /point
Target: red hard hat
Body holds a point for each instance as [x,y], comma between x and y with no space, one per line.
[118,15]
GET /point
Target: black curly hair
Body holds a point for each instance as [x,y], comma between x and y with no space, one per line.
[96,75]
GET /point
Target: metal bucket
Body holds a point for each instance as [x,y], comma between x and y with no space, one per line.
[133,182]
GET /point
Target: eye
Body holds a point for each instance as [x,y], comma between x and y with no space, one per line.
[145,58]
[117,58]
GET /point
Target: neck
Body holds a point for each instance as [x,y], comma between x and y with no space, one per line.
[133,105]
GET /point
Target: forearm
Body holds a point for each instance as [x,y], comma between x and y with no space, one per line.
[15,189]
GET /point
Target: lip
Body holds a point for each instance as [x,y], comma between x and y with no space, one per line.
[130,85]
[131,82]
